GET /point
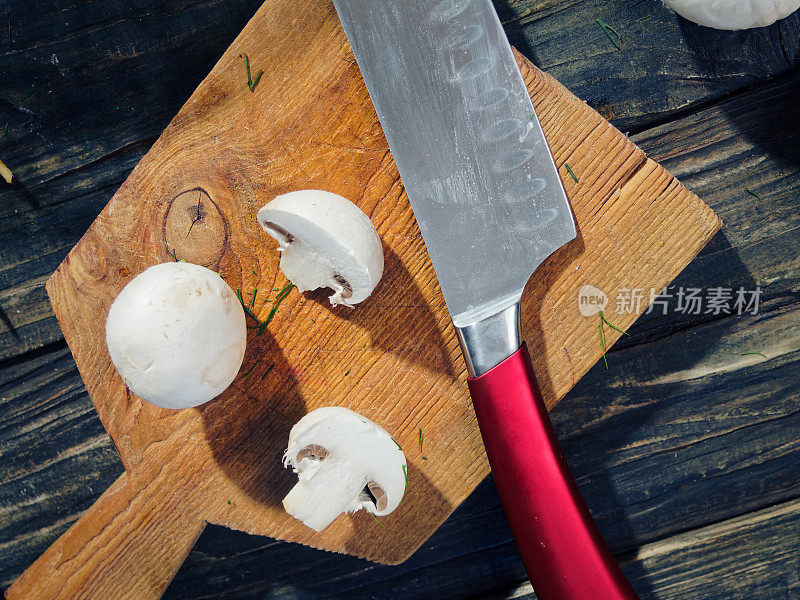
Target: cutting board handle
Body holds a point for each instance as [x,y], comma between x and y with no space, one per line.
[562,549]
[129,544]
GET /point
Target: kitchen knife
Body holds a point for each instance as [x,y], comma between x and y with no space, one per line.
[490,204]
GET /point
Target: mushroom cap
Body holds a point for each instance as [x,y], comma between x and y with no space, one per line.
[325,241]
[348,437]
[176,334]
[734,14]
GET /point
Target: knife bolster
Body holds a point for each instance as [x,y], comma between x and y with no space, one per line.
[488,342]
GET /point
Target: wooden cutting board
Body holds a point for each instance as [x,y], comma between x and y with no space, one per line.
[310,124]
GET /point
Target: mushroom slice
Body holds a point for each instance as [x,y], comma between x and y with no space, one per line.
[345,462]
[176,334]
[325,241]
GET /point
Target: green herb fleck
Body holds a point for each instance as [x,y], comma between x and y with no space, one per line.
[420,439]
[251,369]
[405,475]
[347,373]
[608,30]
[5,130]
[571,172]
[398,445]
[251,83]
[424,458]
[533,115]
[174,255]
[602,334]
[32,92]
[375,518]
[246,310]
[229,501]
[264,376]
[752,193]
[749,353]
[278,299]
[254,273]
[253,299]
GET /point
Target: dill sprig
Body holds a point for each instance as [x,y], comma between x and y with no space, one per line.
[756,353]
[278,299]
[571,173]
[608,30]
[420,439]
[251,83]
[5,130]
[253,299]
[375,518]
[405,475]
[752,193]
[602,334]
[264,376]
[244,307]
[251,369]
[399,447]
[346,373]
[32,92]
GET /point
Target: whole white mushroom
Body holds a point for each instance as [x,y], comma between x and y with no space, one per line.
[734,14]
[325,241]
[176,334]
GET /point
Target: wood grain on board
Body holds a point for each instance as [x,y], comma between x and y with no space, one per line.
[309,124]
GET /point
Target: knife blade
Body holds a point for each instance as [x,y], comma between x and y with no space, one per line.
[466,140]
[490,205]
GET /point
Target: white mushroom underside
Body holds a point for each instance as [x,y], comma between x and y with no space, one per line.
[344,462]
[317,500]
[325,241]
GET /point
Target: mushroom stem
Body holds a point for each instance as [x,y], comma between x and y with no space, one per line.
[318,499]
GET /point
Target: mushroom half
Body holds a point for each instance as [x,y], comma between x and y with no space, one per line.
[325,241]
[344,462]
[176,334]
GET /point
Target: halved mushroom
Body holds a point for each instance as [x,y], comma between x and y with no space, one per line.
[325,241]
[345,462]
[176,334]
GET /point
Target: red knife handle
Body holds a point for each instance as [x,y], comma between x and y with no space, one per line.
[561,547]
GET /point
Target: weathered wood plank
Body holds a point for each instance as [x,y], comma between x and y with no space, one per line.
[662,455]
[56,457]
[668,452]
[472,551]
[754,556]
[751,142]
[110,77]
[120,74]
[666,65]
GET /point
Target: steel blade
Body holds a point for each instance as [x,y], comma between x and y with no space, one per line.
[470,150]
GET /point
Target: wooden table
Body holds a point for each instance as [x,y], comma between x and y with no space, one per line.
[686,448]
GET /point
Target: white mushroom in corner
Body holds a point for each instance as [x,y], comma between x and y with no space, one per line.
[345,462]
[176,334]
[325,241]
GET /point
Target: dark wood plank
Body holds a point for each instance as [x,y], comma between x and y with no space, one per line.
[110,76]
[666,65]
[753,556]
[56,457]
[693,432]
[690,432]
